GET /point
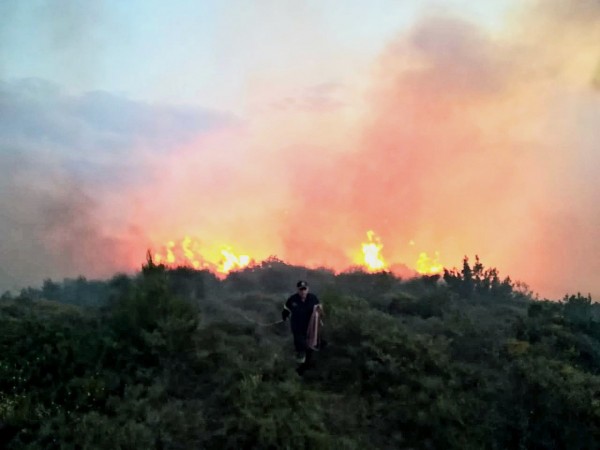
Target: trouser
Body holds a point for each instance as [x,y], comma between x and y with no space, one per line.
[300,342]
[300,345]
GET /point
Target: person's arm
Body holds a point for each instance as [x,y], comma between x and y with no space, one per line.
[319,306]
[286,311]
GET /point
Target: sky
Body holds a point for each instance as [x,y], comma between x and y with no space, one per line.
[292,128]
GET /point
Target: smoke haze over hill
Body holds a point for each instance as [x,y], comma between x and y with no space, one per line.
[453,136]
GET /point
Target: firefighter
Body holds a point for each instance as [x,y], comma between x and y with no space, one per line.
[300,306]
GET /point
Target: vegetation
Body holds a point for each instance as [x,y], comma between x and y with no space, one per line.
[177,359]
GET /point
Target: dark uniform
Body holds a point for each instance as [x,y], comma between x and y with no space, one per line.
[301,310]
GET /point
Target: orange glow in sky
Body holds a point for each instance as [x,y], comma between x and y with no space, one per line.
[448,129]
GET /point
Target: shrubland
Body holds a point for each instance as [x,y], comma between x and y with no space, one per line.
[179,359]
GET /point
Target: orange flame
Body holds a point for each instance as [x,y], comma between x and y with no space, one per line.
[427,265]
[189,253]
[232,261]
[372,258]
[221,260]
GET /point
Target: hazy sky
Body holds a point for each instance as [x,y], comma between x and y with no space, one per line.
[293,127]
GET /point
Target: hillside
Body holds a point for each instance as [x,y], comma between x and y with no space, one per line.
[178,359]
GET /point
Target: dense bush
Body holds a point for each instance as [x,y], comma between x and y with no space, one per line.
[176,359]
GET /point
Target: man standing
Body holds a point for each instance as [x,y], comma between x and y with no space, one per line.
[301,306]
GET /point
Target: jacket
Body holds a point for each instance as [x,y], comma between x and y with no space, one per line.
[301,311]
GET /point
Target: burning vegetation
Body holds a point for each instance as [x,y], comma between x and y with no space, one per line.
[189,252]
[223,259]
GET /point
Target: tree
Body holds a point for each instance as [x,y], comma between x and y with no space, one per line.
[51,290]
[578,309]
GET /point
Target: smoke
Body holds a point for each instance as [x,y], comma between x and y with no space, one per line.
[65,161]
[48,224]
[470,144]
[457,139]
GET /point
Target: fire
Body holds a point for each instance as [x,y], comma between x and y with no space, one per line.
[187,245]
[222,259]
[427,265]
[372,258]
[190,253]
[232,261]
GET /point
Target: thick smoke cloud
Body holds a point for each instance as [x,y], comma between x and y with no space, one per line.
[64,163]
[474,144]
[458,140]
